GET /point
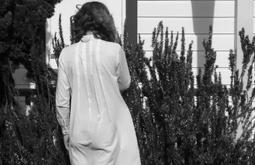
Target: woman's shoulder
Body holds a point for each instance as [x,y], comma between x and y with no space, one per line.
[70,48]
[68,52]
[111,45]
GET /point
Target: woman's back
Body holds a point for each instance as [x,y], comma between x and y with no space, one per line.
[100,122]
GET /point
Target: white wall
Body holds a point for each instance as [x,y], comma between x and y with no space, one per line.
[195,16]
[21,80]
[244,19]
[175,14]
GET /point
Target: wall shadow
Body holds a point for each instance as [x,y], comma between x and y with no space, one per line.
[205,10]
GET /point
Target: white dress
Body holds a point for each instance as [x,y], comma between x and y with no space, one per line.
[89,105]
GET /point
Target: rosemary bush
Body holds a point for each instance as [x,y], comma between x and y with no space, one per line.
[180,123]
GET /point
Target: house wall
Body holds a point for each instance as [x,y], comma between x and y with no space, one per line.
[244,19]
[195,16]
[20,78]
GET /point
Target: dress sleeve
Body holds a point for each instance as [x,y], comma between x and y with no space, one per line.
[63,98]
[123,72]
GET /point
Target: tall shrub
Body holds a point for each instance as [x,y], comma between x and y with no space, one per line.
[182,118]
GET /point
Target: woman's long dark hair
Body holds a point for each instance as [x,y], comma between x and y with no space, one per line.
[94,17]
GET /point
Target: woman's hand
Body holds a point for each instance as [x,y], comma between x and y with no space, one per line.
[66,141]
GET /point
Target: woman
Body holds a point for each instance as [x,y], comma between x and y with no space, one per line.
[95,120]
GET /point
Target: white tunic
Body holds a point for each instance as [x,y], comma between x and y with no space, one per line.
[89,106]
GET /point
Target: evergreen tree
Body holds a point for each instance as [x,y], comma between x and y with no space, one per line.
[32,139]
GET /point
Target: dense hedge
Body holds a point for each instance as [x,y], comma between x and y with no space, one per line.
[182,118]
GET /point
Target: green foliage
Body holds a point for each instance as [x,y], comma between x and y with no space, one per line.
[33,139]
[182,118]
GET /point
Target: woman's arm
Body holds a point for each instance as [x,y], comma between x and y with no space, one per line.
[123,72]
[63,98]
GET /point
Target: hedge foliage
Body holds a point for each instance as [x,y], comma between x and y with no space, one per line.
[187,119]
